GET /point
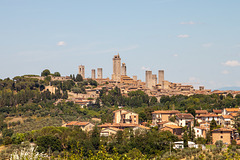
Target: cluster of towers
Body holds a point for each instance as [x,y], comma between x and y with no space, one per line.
[118,70]
[81,71]
[151,79]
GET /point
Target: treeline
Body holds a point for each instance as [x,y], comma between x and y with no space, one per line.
[136,99]
[58,140]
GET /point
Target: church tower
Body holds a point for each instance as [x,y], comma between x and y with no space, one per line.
[116,76]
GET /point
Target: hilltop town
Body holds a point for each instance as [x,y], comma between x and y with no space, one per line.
[154,85]
[92,118]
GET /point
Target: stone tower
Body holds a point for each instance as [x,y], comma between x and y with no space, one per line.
[93,74]
[135,78]
[124,69]
[81,70]
[99,73]
[149,79]
[154,79]
[116,76]
[161,77]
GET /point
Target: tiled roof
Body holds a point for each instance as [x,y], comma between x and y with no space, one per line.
[173,126]
[234,114]
[232,109]
[113,128]
[222,129]
[185,116]
[167,111]
[105,125]
[227,116]
[217,111]
[76,123]
[144,127]
[207,115]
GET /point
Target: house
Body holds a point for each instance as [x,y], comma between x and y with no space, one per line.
[217,112]
[162,115]
[227,120]
[85,126]
[117,125]
[209,117]
[224,134]
[205,125]
[176,130]
[185,119]
[200,131]
[140,128]
[198,112]
[163,124]
[109,131]
[180,145]
[227,111]
[124,116]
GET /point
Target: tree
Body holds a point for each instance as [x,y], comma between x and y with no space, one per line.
[79,78]
[192,111]
[7,132]
[213,125]
[153,101]
[56,74]
[95,137]
[45,72]
[185,139]
[48,142]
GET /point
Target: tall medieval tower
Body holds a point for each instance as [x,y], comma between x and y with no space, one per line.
[81,70]
[116,76]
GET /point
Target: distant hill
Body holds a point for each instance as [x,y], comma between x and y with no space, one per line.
[229,88]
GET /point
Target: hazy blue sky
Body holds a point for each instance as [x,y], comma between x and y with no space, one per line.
[194,41]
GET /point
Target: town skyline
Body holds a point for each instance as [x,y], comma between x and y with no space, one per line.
[192,46]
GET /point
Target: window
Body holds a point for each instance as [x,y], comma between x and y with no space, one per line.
[197,131]
[221,136]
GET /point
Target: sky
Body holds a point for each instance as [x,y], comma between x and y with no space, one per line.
[194,41]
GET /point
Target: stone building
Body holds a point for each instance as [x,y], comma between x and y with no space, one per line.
[223,134]
[81,70]
[123,116]
[161,77]
[93,74]
[99,73]
[163,115]
[116,76]
[124,69]
[149,79]
[154,80]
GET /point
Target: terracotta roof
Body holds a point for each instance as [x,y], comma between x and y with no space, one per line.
[201,111]
[167,111]
[76,123]
[144,127]
[207,115]
[234,114]
[185,116]
[217,111]
[173,126]
[227,116]
[72,123]
[232,109]
[105,125]
[113,128]
[222,129]
[163,122]
[203,128]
